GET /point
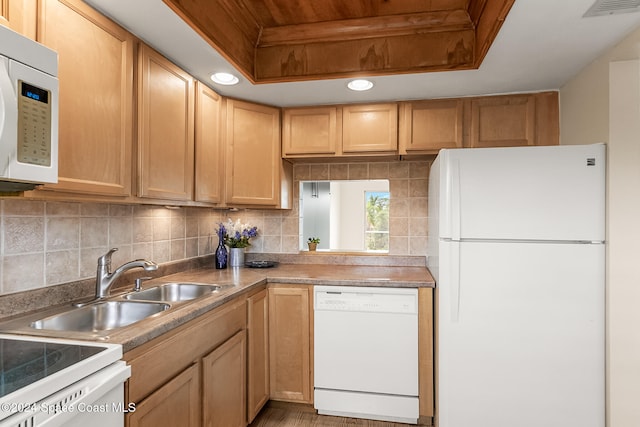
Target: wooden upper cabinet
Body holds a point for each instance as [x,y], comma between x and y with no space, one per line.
[427,126]
[311,131]
[209,153]
[503,121]
[370,128]
[253,161]
[165,128]
[512,120]
[422,127]
[95,59]
[20,16]
[547,118]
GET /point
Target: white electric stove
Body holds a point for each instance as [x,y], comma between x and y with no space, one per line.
[57,382]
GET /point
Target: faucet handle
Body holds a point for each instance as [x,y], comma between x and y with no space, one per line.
[105,259]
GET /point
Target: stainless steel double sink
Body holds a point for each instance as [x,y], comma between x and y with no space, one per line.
[126,309]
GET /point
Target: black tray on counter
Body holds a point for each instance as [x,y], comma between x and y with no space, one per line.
[261,264]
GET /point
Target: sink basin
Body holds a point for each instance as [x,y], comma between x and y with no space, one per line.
[173,292]
[101,316]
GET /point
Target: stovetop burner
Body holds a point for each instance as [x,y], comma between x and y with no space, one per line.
[25,362]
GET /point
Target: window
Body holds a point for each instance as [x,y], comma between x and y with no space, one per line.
[335,212]
[376,233]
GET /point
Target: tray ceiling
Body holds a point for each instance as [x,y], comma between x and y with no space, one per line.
[289,40]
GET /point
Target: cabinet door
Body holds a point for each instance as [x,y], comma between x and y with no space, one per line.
[290,344]
[223,384]
[20,16]
[310,131]
[253,159]
[370,128]
[95,61]
[547,118]
[425,352]
[427,126]
[157,361]
[503,121]
[177,403]
[258,353]
[165,128]
[209,158]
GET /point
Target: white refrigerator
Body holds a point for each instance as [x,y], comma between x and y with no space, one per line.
[516,245]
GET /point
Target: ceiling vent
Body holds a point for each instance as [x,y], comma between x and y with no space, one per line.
[610,7]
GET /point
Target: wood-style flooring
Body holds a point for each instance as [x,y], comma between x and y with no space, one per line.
[276,416]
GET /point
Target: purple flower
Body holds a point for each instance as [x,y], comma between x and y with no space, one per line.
[236,234]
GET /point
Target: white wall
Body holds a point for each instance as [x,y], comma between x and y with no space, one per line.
[602,103]
[315,212]
[624,246]
[584,100]
[352,211]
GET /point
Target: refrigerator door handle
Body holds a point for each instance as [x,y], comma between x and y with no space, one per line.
[455,213]
[454,289]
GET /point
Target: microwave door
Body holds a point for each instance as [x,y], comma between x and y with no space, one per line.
[30,132]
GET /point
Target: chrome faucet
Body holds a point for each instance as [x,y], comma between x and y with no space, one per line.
[104,277]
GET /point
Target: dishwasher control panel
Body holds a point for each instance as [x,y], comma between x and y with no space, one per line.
[366,299]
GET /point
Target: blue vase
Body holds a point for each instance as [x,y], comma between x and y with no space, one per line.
[221,255]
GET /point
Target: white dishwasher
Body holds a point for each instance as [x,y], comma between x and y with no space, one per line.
[366,352]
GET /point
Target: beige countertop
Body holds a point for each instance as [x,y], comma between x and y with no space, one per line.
[236,281]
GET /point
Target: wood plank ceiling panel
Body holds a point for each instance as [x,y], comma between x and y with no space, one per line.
[289,40]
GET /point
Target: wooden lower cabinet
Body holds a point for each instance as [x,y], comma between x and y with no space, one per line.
[221,368]
[257,352]
[201,361]
[290,342]
[177,403]
[223,384]
[291,345]
[425,352]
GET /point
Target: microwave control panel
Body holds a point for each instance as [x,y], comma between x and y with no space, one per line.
[34,125]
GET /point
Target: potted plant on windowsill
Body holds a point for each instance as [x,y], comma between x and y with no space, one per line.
[313,243]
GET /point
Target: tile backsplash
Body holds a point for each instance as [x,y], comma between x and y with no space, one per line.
[408,186]
[48,243]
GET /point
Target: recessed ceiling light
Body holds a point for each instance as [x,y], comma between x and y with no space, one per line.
[224,79]
[360,84]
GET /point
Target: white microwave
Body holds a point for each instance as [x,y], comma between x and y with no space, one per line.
[28,113]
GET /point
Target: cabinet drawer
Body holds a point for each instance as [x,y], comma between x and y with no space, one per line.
[156,362]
